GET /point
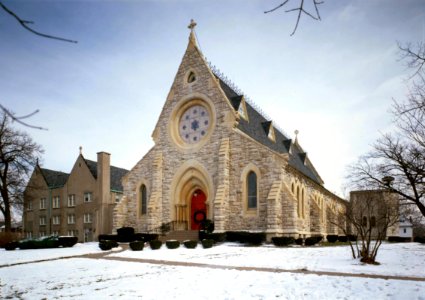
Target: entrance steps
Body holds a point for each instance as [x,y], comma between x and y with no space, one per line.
[181,235]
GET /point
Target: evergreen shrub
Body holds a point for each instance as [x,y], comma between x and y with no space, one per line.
[172,244]
[281,241]
[299,241]
[155,244]
[332,238]
[207,243]
[342,238]
[190,244]
[311,241]
[137,245]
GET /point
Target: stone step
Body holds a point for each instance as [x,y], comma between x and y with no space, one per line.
[181,235]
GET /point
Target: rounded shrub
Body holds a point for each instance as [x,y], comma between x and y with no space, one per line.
[299,241]
[11,246]
[190,244]
[172,244]
[282,241]
[155,244]
[207,243]
[107,237]
[311,241]
[332,238]
[137,245]
[342,238]
[107,245]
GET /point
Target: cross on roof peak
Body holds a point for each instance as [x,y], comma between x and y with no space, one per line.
[192,25]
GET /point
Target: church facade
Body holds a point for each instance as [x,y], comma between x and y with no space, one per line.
[216,157]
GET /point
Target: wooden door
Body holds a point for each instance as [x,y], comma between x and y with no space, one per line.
[198,209]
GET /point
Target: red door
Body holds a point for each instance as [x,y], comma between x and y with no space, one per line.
[198,209]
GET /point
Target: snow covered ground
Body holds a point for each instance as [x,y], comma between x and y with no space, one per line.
[86,278]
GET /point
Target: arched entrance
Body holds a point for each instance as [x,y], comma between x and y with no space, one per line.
[191,191]
[198,209]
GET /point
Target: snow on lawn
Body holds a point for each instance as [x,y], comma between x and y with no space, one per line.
[21,256]
[83,278]
[401,259]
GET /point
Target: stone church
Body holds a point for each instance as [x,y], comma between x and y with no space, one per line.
[217,157]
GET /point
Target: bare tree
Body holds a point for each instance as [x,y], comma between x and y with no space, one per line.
[301,9]
[18,155]
[370,215]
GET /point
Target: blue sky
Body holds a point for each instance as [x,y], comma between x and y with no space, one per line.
[334,80]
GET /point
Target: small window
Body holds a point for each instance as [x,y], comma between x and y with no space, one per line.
[43,203]
[87,218]
[117,198]
[71,200]
[29,234]
[42,221]
[143,199]
[56,202]
[56,220]
[55,233]
[73,232]
[29,205]
[191,78]
[71,219]
[252,190]
[87,197]
[404,230]
[42,233]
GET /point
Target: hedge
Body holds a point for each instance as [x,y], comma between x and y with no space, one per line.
[352,237]
[299,241]
[125,234]
[399,239]
[311,241]
[217,237]
[281,241]
[155,244]
[342,238]
[190,244]
[419,239]
[253,238]
[67,241]
[172,244]
[332,238]
[137,245]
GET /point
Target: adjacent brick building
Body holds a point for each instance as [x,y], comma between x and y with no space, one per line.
[80,203]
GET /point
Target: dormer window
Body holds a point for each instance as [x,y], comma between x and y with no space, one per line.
[191,78]
[242,110]
[271,134]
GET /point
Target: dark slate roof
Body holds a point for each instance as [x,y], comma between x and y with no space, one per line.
[258,129]
[54,179]
[116,174]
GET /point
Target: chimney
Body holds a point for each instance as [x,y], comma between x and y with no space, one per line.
[104,176]
[104,190]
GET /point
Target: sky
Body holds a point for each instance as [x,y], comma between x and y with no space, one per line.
[334,80]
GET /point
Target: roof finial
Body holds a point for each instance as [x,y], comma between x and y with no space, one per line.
[81,150]
[296,135]
[192,38]
[192,25]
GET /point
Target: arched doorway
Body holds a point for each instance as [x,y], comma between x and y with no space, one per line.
[198,209]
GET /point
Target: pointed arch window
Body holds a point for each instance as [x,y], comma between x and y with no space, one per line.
[143,199]
[252,190]
[191,77]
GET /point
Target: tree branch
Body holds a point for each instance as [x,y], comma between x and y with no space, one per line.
[24,24]
[301,10]
[19,119]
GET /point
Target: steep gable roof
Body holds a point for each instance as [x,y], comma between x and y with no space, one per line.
[116,174]
[258,128]
[54,179]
